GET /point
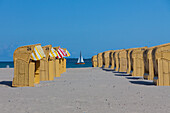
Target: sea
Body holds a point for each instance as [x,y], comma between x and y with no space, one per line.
[70,63]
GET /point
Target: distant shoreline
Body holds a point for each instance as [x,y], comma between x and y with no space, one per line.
[65,58]
[70,63]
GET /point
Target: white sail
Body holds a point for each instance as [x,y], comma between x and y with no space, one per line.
[82,61]
[78,60]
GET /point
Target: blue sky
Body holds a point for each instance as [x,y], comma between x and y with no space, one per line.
[91,26]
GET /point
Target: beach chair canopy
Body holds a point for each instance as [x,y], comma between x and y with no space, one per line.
[37,53]
[67,53]
[61,52]
[53,53]
[29,52]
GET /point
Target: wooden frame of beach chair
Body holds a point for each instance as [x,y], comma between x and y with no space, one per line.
[99,60]
[138,62]
[103,63]
[161,65]
[94,61]
[57,68]
[57,65]
[52,68]
[130,59]
[60,65]
[106,58]
[117,60]
[113,56]
[64,62]
[103,57]
[163,72]
[123,58]
[149,70]
[48,64]
[112,63]
[44,70]
[26,71]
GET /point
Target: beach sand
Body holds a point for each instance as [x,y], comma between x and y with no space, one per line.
[85,90]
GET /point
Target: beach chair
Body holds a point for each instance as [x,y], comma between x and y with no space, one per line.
[117,60]
[123,58]
[57,64]
[106,59]
[44,62]
[149,68]
[138,62]
[149,71]
[103,63]
[57,68]
[64,62]
[130,59]
[99,60]
[51,68]
[111,59]
[161,64]
[27,65]
[48,64]
[60,65]
[103,59]
[94,61]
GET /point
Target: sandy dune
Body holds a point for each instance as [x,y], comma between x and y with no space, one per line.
[85,90]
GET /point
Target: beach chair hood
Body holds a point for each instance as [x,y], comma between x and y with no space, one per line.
[37,53]
[26,53]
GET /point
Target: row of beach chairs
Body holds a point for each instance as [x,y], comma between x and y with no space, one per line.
[151,63]
[35,63]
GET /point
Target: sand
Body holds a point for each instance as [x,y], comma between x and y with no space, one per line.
[85,90]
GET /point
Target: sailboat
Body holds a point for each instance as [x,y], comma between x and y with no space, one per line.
[80,60]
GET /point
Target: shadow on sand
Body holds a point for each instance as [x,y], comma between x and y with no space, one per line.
[7,83]
[108,69]
[142,82]
[121,74]
[134,78]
